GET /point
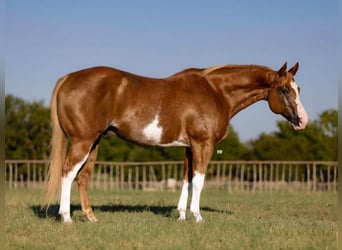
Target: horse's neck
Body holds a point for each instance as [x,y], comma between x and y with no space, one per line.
[242,89]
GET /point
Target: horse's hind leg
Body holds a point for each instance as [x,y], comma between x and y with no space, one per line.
[82,181]
[77,156]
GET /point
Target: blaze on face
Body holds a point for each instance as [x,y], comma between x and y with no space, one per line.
[284,99]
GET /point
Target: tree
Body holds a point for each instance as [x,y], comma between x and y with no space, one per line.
[318,141]
[27,129]
[328,121]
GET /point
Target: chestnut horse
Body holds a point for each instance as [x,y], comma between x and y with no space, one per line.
[190,109]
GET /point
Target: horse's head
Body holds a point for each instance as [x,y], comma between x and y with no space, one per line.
[283,97]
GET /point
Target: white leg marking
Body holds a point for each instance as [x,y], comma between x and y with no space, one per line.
[64,208]
[153,132]
[197,186]
[183,200]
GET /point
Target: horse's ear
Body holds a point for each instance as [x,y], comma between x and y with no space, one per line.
[294,69]
[282,70]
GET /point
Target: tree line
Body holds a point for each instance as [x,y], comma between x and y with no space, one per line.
[28,134]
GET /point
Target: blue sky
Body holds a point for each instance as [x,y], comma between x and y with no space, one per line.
[46,39]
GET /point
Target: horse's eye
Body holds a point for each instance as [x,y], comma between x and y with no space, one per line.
[285,90]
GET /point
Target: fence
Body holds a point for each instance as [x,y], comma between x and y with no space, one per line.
[228,175]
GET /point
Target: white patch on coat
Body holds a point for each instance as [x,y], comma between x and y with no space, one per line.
[153,132]
[300,108]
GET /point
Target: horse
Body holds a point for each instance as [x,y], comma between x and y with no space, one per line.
[189,109]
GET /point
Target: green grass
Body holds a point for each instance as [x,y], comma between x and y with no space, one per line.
[148,220]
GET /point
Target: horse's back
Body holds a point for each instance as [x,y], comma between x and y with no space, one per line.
[144,110]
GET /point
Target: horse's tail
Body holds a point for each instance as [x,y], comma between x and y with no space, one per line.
[58,148]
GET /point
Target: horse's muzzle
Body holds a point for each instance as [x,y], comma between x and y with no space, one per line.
[299,123]
[295,120]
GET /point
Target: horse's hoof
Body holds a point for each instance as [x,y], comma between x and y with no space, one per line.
[198,218]
[66,217]
[90,215]
[199,221]
[181,218]
[68,222]
[92,219]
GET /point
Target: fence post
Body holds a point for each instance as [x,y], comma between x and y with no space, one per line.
[218,172]
[22,181]
[169,167]
[122,178]
[111,184]
[314,179]
[176,172]
[290,177]
[241,177]
[224,172]
[46,169]
[152,178]
[163,173]
[130,178]
[230,178]
[16,176]
[260,177]
[144,178]
[254,177]
[335,178]
[34,175]
[236,178]
[308,177]
[105,177]
[40,177]
[28,175]
[10,183]
[136,177]
[329,184]
[283,177]
[265,182]
[271,181]
[117,169]
[98,176]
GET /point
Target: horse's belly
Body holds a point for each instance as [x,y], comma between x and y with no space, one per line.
[150,134]
[176,143]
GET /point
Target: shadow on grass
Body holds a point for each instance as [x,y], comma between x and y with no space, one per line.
[165,211]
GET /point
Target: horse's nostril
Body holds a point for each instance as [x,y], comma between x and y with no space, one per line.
[295,120]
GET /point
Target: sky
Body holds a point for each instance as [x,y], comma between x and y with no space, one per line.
[47,39]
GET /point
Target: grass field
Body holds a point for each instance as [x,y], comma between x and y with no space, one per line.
[148,220]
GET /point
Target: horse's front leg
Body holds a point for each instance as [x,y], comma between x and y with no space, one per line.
[202,153]
[197,186]
[183,200]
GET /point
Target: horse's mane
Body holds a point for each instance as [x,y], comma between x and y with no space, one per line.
[211,69]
